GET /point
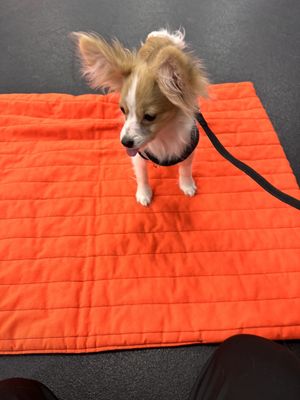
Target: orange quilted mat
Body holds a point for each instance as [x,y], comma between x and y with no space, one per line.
[85,268]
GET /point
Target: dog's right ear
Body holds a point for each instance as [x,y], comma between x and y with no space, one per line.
[103,64]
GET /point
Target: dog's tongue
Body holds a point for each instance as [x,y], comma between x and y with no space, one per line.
[132,152]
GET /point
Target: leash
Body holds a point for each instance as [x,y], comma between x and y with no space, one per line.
[292,201]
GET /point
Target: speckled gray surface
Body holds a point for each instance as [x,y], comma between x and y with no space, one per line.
[239,40]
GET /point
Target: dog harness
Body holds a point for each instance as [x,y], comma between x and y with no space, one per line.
[147,155]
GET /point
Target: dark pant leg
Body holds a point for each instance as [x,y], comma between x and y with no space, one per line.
[24,389]
[247,367]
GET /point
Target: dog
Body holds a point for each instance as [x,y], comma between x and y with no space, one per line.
[159,87]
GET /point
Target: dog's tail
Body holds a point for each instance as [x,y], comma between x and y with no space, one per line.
[177,37]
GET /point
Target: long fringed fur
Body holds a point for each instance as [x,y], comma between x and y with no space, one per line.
[104,64]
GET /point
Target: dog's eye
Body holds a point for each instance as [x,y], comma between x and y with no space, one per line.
[150,118]
[122,109]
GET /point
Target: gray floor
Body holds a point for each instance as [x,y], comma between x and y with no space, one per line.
[238,40]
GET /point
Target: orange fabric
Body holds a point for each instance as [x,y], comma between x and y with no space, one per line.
[85,268]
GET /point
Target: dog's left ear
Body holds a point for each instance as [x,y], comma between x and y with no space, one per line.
[181,78]
[103,64]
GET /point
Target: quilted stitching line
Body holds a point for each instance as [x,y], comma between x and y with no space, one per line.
[127,163]
[221,160]
[219,134]
[146,212]
[130,195]
[153,254]
[152,232]
[200,177]
[175,303]
[207,146]
[164,277]
[94,166]
[238,175]
[50,166]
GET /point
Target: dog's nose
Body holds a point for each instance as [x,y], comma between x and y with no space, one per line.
[127,142]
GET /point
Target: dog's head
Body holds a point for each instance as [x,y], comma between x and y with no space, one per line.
[157,83]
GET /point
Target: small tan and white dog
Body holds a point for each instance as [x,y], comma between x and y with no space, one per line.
[159,87]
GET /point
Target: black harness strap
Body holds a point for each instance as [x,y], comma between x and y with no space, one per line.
[173,161]
[292,201]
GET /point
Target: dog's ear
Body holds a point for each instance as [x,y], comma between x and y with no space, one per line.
[103,64]
[181,78]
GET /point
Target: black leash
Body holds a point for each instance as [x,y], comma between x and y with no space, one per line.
[292,201]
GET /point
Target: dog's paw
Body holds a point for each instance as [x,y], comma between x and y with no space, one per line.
[144,195]
[188,186]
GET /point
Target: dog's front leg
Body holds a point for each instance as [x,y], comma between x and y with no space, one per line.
[186,181]
[144,191]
